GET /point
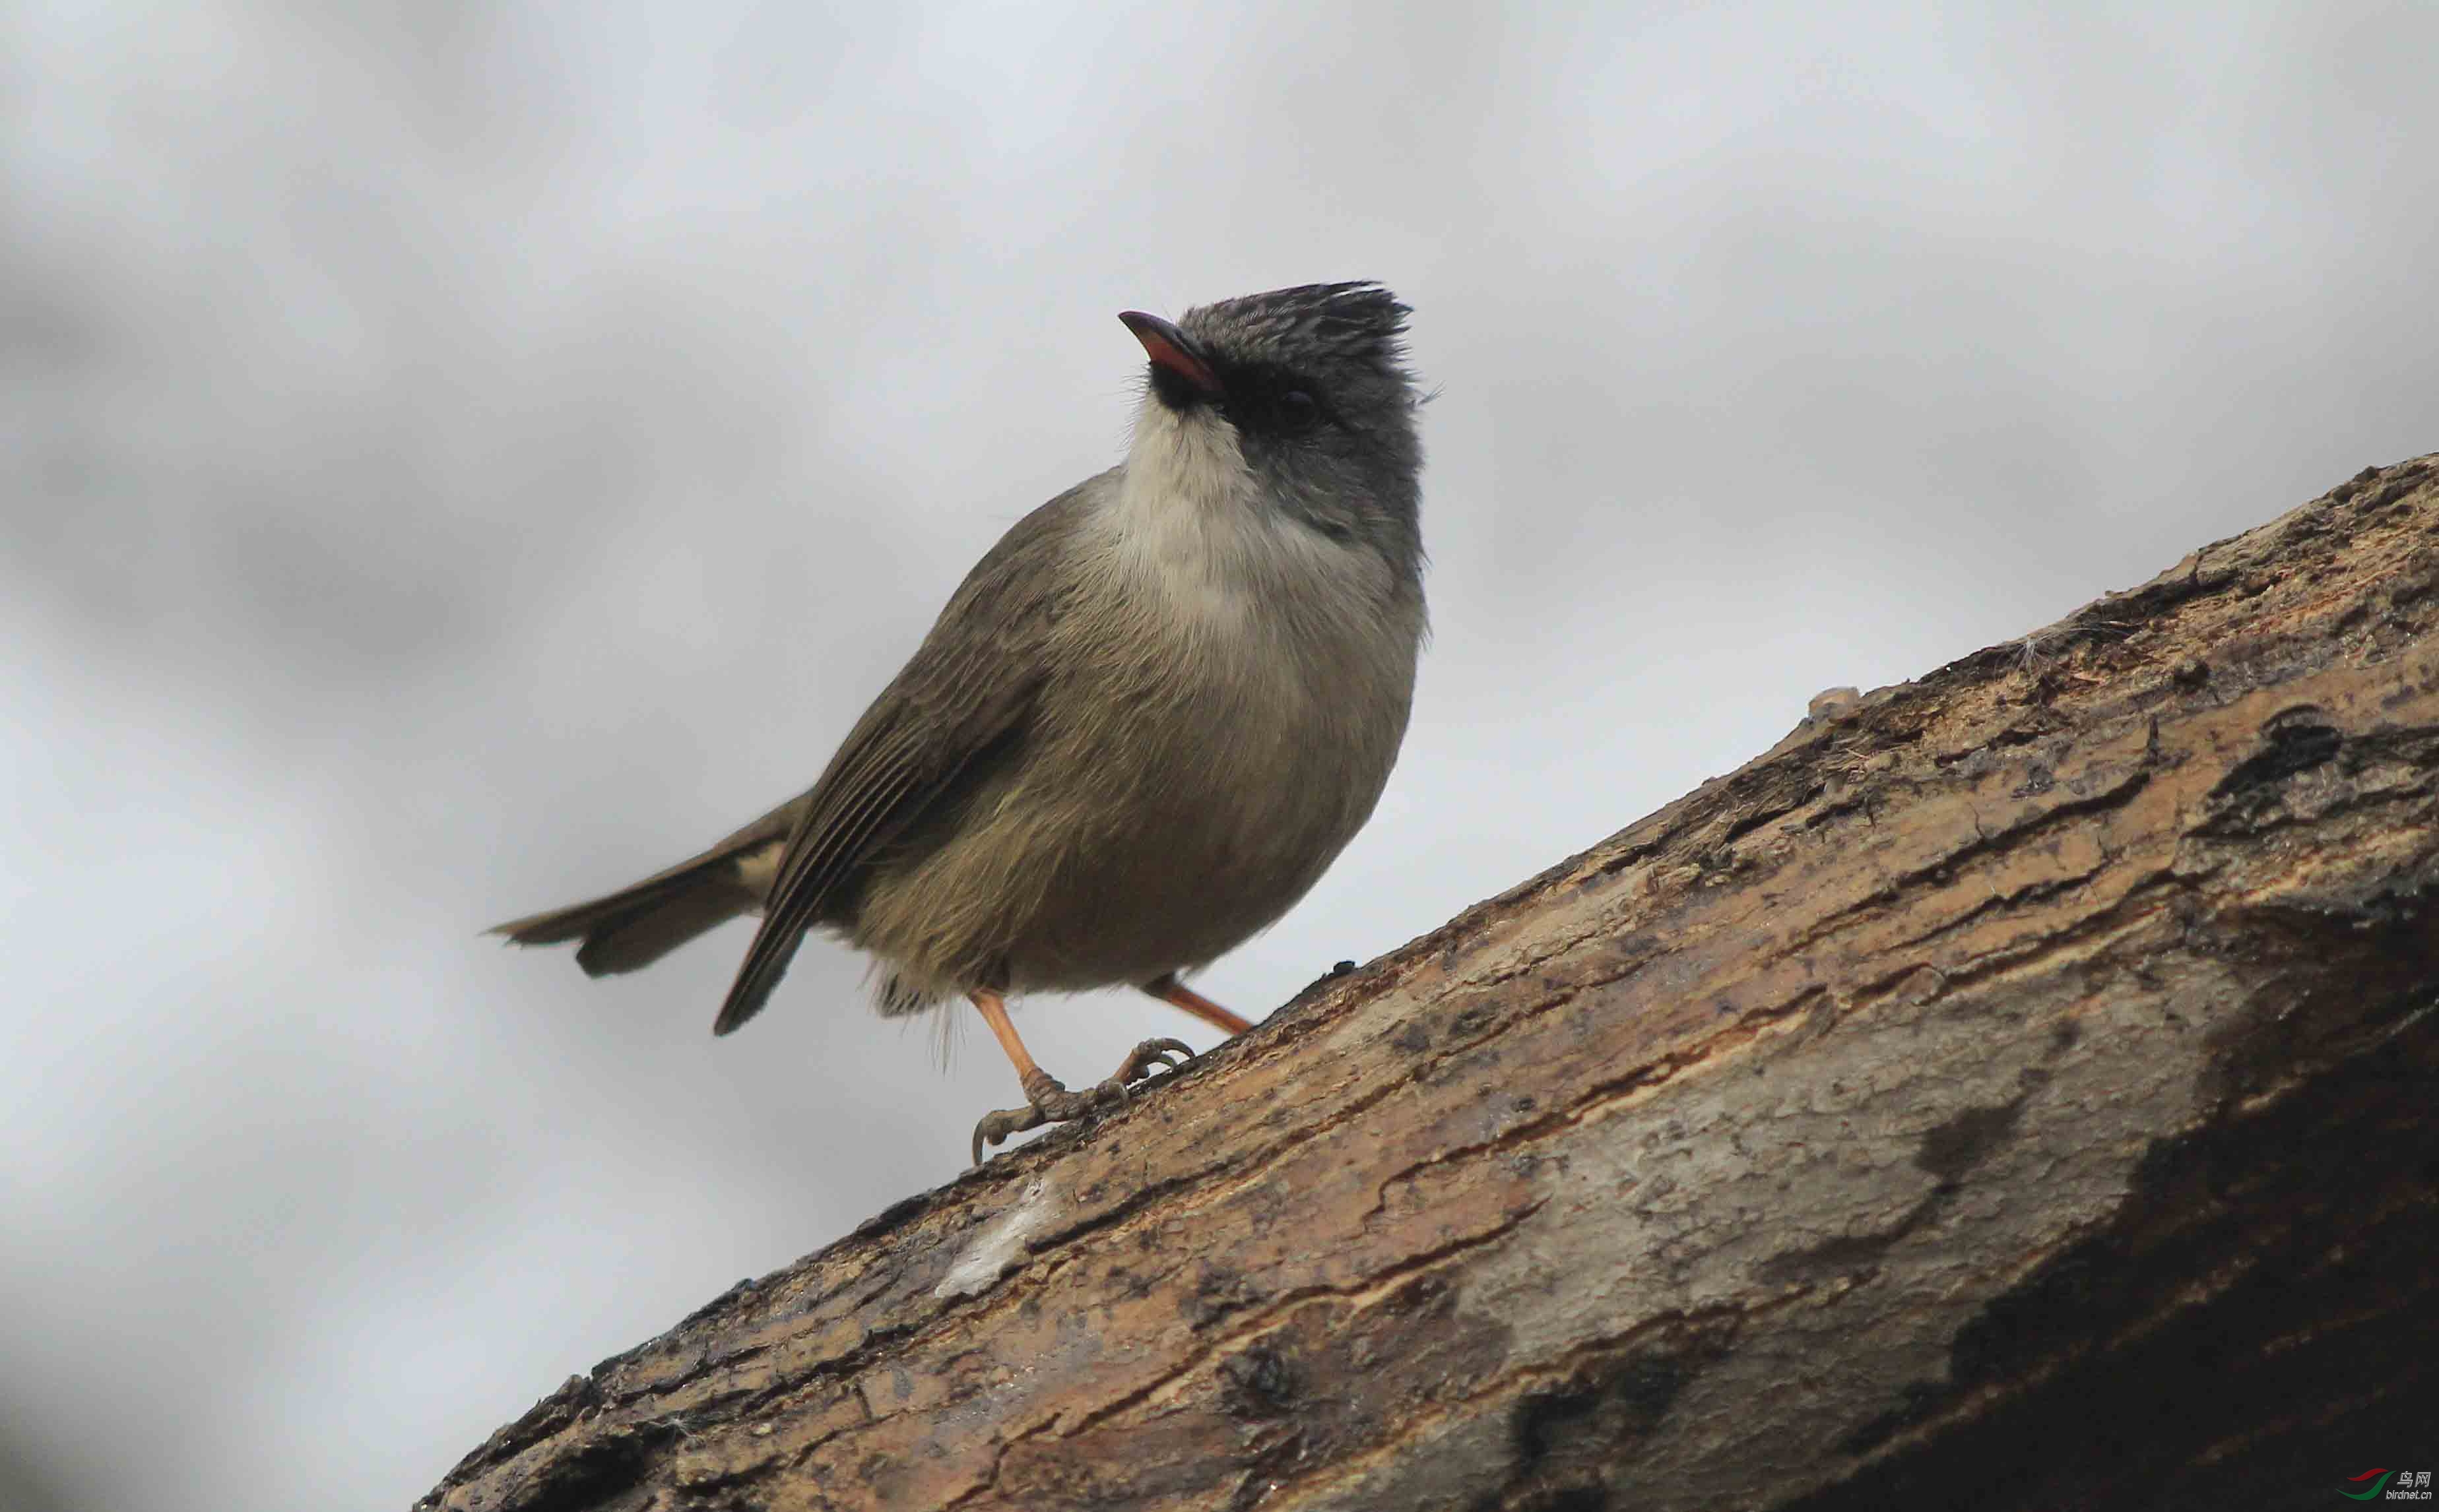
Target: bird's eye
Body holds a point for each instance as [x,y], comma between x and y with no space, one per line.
[1297,411]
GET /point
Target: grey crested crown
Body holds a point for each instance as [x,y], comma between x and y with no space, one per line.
[1313,381]
[1357,323]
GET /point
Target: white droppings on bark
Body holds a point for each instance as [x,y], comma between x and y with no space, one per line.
[1003,1243]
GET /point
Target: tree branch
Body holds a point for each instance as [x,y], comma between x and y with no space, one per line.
[2014,1090]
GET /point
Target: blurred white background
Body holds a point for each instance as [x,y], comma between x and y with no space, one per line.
[457,457]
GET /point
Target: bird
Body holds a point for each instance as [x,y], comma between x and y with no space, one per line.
[1140,729]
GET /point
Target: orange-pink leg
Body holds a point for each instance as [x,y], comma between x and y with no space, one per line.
[1047,1101]
[1030,1075]
[1170,990]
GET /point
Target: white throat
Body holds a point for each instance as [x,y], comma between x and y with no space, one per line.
[1185,468]
[1189,522]
[1189,513]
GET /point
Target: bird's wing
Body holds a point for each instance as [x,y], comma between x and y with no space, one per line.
[962,705]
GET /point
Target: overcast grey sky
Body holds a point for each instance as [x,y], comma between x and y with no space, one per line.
[457,457]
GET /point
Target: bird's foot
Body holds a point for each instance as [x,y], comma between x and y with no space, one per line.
[1048,1101]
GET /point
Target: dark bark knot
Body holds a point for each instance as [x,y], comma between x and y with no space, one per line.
[2294,740]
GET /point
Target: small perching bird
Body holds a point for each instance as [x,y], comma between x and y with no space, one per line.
[1142,727]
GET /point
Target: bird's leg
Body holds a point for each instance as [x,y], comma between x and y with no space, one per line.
[1047,1100]
[1170,990]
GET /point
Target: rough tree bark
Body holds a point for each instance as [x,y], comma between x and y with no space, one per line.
[2015,1090]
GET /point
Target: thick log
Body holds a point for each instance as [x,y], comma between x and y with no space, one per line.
[2020,1088]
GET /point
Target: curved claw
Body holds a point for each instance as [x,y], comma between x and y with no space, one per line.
[1155,1053]
[995,1128]
[1051,1103]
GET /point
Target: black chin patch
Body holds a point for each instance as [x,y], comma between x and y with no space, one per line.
[1175,389]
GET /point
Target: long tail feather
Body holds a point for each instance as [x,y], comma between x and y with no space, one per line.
[637,925]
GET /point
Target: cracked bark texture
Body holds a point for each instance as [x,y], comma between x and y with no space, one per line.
[2014,1090]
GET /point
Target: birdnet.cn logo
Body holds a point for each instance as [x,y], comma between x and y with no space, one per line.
[2391,1485]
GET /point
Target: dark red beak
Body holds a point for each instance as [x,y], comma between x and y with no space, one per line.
[1171,349]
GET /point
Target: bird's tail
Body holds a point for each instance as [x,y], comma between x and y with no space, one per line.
[636,926]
